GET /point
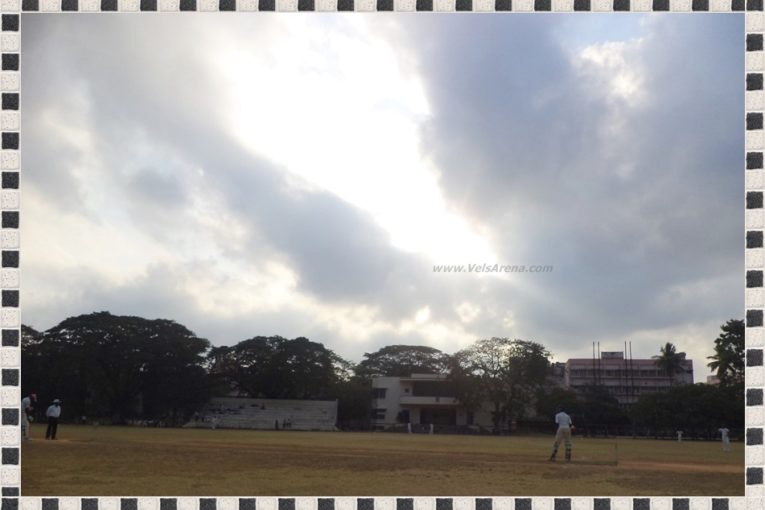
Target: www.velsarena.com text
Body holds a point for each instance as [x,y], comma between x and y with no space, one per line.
[491,268]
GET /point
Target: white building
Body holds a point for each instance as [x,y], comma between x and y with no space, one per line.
[421,399]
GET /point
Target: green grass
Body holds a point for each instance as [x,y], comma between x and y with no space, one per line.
[131,461]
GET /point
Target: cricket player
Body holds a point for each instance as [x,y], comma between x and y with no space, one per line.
[26,408]
[53,413]
[563,434]
[725,439]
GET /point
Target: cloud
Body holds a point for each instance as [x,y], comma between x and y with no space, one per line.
[260,183]
[176,209]
[616,161]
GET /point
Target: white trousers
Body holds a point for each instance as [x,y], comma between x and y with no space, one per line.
[24,425]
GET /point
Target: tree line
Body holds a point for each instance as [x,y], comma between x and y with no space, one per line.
[119,368]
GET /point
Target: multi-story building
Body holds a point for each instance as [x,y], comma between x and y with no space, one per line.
[625,379]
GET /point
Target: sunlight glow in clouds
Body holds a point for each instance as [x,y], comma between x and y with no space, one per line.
[621,75]
[338,111]
[297,175]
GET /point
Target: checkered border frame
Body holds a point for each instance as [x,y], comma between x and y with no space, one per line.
[10,321]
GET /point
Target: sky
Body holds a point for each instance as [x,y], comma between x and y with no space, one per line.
[301,175]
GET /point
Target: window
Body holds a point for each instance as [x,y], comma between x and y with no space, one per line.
[378,414]
[379,392]
[433,389]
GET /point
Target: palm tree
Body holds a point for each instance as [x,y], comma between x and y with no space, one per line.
[670,361]
[728,360]
[722,363]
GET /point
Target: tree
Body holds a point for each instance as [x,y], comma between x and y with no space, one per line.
[696,409]
[222,370]
[354,403]
[106,365]
[479,375]
[32,355]
[527,372]
[728,360]
[670,361]
[44,371]
[550,399]
[468,386]
[275,367]
[599,410]
[403,361]
[651,414]
[173,379]
[501,371]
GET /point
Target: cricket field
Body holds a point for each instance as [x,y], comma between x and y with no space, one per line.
[134,461]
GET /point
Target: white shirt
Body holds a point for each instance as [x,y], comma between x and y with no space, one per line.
[724,433]
[26,403]
[563,420]
[53,411]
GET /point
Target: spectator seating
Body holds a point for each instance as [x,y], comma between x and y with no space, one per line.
[258,413]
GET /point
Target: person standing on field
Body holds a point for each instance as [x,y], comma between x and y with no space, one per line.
[725,439]
[563,434]
[53,412]
[26,410]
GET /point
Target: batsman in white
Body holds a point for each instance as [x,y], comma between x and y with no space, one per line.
[565,427]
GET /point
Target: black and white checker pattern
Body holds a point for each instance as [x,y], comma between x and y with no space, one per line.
[10,322]
[16,6]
